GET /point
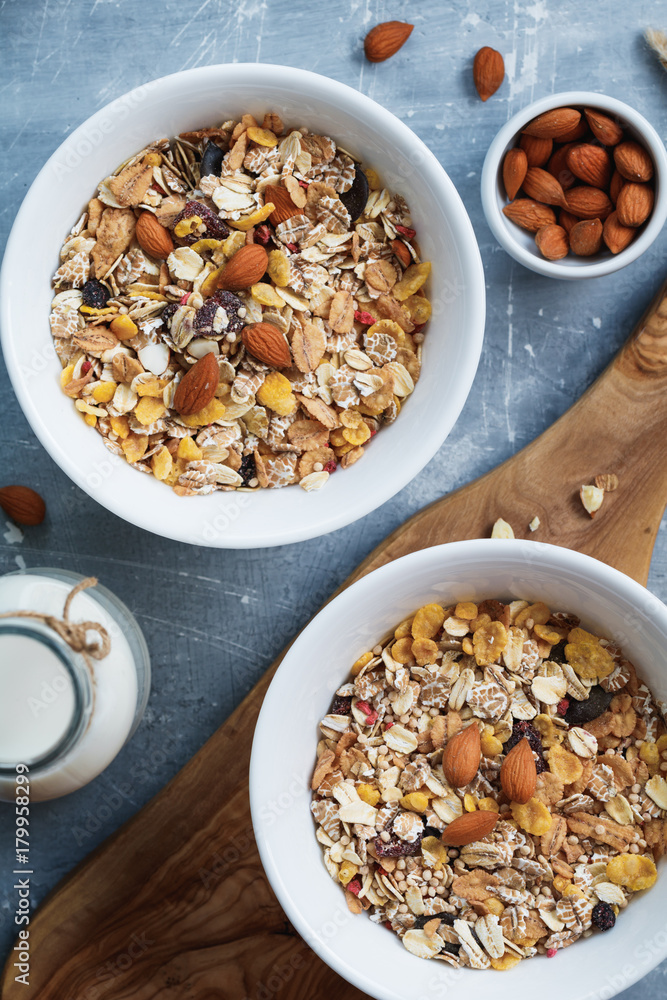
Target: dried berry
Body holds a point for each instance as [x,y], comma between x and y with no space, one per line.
[354,885]
[168,314]
[208,323]
[341,706]
[216,229]
[94,294]
[330,466]
[603,916]
[262,235]
[563,706]
[211,161]
[557,654]
[397,848]
[355,199]
[522,729]
[580,712]
[248,472]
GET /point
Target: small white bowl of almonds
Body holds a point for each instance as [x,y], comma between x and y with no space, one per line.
[473,776]
[573,185]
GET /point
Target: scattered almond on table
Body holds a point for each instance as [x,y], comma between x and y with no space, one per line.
[488,71]
[23,505]
[578,182]
[384,40]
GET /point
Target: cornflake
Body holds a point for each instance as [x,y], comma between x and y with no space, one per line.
[589,836]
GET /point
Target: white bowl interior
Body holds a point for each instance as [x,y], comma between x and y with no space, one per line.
[519,242]
[193,99]
[287,733]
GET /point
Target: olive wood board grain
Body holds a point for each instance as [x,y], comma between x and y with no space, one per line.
[176,905]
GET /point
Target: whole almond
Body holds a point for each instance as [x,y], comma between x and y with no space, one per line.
[591,164]
[553,124]
[197,387]
[552,242]
[567,220]
[529,214]
[488,71]
[245,268]
[469,827]
[285,207]
[461,757]
[616,183]
[515,166]
[543,186]
[604,128]
[518,774]
[557,166]
[153,237]
[586,237]
[616,236]
[537,150]
[634,204]
[588,202]
[266,343]
[633,162]
[23,505]
[384,40]
[576,134]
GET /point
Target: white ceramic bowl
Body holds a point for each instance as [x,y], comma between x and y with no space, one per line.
[519,243]
[192,99]
[287,733]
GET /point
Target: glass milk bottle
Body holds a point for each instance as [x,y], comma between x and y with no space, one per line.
[64,713]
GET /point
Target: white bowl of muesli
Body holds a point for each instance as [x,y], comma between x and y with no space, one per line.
[460,766]
[286,284]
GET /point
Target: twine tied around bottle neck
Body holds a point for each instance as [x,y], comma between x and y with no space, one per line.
[74,634]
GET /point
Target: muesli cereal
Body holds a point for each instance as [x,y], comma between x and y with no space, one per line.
[240,307]
[490,783]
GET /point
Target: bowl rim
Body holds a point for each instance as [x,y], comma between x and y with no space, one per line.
[359,502]
[501,227]
[609,579]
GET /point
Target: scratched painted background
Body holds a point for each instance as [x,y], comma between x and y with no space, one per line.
[215,620]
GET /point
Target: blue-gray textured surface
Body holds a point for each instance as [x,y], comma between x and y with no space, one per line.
[215,620]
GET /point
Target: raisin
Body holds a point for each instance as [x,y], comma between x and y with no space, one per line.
[355,199]
[168,313]
[204,318]
[557,653]
[341,706]
[603,916]
[216,228]
[397,848]
[522,729]
[94,294]
[248,472]
[211,161]
[451,948]
[580,712]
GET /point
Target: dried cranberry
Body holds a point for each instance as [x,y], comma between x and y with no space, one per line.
[522,729]
[407,232]
[247,472]
[563,706]
[354,885]
[552,952]
[94,294]
[603,916]
[292,247]
[363,317]
[85,367]
[580,712]
[330,466]
[216,228]
[397,848]
[204,317]
[355,199]
[262,235]
[304,185]
[341,706]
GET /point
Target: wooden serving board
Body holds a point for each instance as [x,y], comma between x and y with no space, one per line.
[175,904]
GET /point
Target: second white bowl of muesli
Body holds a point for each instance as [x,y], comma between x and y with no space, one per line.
[243,305]
[462,759]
